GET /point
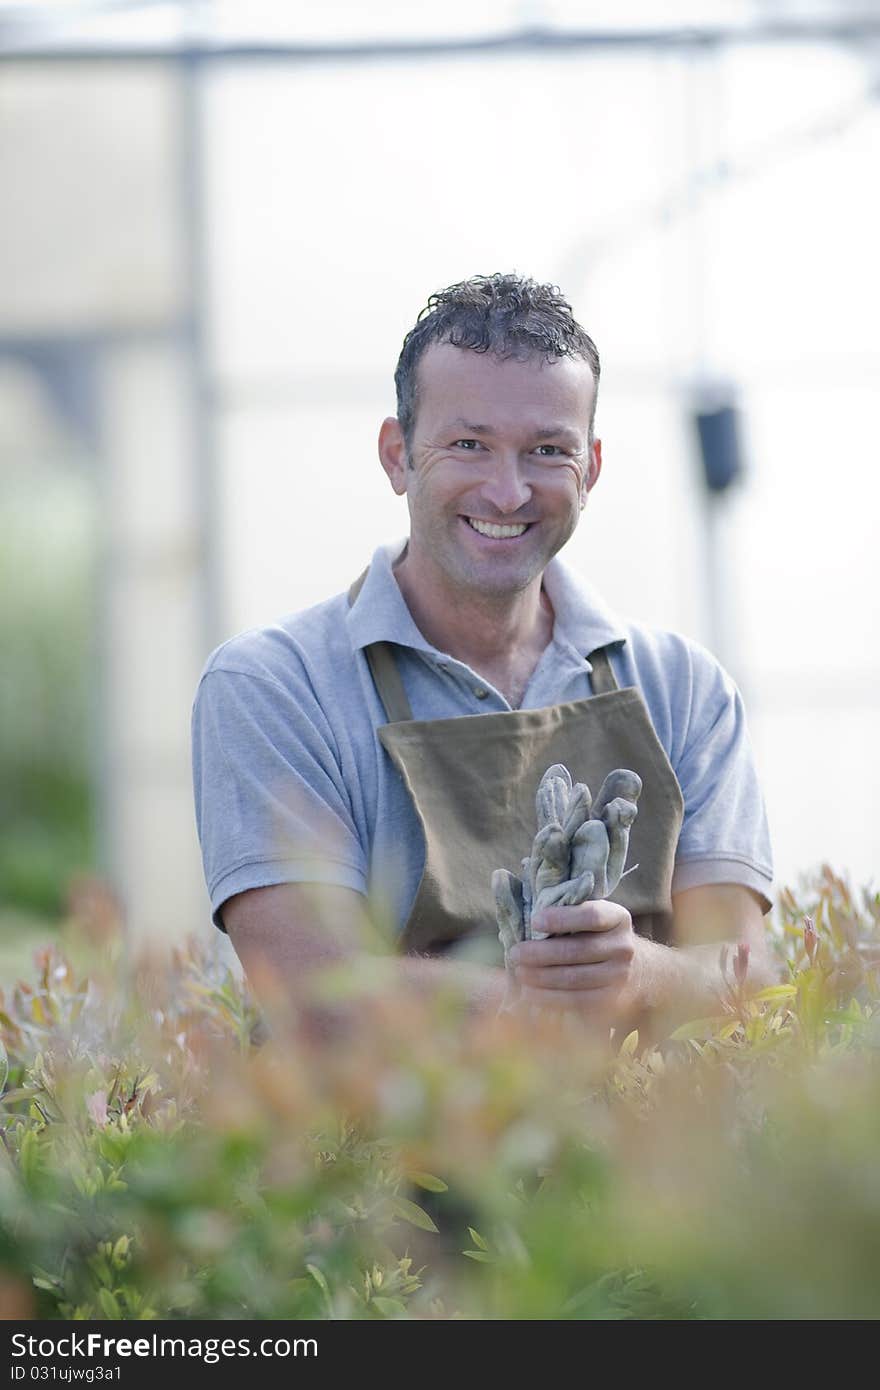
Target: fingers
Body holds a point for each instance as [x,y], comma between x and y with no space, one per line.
[589,854]
[508,894]
[596,916]
[526,884]
[618,817]
[578,979]
[552,796]
[578,810]
[557,952]
[551,853]
[568,894]
[622,783]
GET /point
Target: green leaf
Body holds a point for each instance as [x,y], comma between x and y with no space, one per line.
[120,1251]
[108,1304]
[318,1276]
[19,1093]
[479,1255]
[29,1157]
[4,1066]
[846,1015]
[478,1240]
[44,1280]
[408,1211]
[428,1182]
[776,992]
[389,1307]
[698,1028]
[630,1044]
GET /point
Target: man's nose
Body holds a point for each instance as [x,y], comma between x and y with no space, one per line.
[504,486]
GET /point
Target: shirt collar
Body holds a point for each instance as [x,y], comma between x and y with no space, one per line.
[379,613]
[584,620]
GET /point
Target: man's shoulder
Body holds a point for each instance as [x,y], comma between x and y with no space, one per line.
[684,685]
[669,649]
[587,621]
[302,643]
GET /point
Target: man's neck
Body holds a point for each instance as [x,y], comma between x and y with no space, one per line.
[497,635]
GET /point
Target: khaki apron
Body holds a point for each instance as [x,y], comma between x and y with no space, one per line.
[473,779]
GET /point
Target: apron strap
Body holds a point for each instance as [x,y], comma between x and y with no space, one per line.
[357,586]
[386,678]
[383,669]
[602,677]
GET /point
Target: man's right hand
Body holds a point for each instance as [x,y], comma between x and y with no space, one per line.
[287,935]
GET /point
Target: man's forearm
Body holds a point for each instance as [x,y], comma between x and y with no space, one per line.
[482,987]
[326,996]
[675,983]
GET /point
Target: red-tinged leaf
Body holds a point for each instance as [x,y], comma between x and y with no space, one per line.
[741,962]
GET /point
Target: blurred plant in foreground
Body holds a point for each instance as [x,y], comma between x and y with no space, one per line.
[47,636]
[159,1160]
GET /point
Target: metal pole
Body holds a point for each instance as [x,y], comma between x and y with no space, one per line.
[196,269]
[704,140]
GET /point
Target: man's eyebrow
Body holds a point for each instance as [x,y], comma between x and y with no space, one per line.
[540,432]
[470,427]
[559,432]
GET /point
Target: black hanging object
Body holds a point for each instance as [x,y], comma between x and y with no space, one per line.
[719,446]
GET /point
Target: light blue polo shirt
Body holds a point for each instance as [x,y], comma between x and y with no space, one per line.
[293,786]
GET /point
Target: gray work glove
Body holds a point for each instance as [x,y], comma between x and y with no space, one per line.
[578,854]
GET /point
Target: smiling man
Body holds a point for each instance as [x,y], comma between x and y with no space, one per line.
[388,743]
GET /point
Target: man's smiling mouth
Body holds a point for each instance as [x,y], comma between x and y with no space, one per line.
[490,528]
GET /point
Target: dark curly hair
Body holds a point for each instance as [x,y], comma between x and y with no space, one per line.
[507,315]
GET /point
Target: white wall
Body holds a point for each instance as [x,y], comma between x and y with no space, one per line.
[342,196]
[337,198]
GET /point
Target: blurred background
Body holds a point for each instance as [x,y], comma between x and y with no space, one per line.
[219,220]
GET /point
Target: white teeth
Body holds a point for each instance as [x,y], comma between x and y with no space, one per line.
[486,528]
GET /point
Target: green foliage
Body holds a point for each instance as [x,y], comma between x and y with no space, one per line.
[159,1161]
[47,636]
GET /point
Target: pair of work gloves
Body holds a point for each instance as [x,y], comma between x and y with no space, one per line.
[578,854]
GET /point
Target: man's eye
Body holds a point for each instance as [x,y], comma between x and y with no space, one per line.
[549,451]
[469,444]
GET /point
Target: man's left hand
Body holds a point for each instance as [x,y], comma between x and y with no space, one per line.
[589,962]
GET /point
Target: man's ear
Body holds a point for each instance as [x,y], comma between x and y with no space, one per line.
[594,468]
[393,453]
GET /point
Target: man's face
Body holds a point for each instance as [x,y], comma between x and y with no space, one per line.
[495,444]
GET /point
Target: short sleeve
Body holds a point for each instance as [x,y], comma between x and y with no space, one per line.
[271,805]
[725,837]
